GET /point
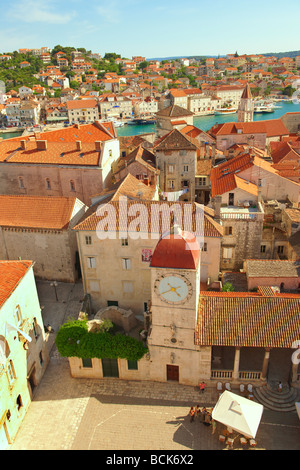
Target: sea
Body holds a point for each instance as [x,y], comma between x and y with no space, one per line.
[206,122]
[202,122]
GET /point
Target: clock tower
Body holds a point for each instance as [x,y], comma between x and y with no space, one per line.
[175,287]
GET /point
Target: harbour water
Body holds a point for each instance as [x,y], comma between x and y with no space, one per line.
[206,122]
[202,122]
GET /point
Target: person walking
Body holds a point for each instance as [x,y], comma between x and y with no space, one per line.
[202,386]
[197,411]
[192,414]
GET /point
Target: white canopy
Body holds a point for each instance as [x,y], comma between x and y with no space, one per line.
[238,413]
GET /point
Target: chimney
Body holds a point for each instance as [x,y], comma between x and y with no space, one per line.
[41,144]
[206,150]
[98,146]
[217,208]
[77,126]
[202,149]
[78,145]
[37,135]
[23,144]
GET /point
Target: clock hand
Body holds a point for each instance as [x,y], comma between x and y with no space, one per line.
[172,289]
[166,291]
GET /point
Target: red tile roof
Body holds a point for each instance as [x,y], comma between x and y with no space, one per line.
[248,319]
[92,220]
[272,128]
[176,251]
[11,273]
[56,153]
[36,212]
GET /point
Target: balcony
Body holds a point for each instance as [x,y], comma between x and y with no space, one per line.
[245,212]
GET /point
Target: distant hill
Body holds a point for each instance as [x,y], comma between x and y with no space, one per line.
[279,55]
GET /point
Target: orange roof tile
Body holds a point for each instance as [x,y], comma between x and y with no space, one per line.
[36,212]
[57,153]
[78,104]
[245,319]
[91,219]
[11,272]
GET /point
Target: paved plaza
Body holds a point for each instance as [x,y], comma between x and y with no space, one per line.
[112,414]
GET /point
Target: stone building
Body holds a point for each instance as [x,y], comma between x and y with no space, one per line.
[23,352]
[82,111]
[140,163]
[40,229]
[176,159]
[72,162]
[283,274]
[172,116]
[124,280]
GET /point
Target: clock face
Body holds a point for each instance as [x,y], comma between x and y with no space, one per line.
[173,288]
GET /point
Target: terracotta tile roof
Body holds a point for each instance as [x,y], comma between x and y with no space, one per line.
[272,128]
[56,153]
[150,208]
[177,93]
[36,212]
[175,140]
[141,155]
[272,268]
[79,104]
[11,272]
[83,132]
[223,176]
[284,151]
[247,319]
[174,111]
[130,187]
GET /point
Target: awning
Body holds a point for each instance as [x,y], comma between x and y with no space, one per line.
[239,413]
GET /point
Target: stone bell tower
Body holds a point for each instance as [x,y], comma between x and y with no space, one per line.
[175,286]
[246,106]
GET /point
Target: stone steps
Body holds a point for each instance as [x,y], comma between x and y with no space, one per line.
[271,399]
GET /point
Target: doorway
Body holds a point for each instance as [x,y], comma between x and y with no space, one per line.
[110,367]
[172,372]
[280,365]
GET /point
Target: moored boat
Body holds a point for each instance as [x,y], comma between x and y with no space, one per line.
[225,111]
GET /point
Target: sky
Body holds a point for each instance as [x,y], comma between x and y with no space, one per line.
[153,28]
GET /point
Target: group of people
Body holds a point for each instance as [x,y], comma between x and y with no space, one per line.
[201,413]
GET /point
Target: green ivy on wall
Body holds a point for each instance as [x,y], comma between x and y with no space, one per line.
[74,340]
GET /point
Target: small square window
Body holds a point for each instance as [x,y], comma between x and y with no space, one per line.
[132,365]
[88,240]
[124,241]
[87,362]
[91,262]
[126,263]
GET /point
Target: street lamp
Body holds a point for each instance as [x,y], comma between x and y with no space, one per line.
[54,284]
